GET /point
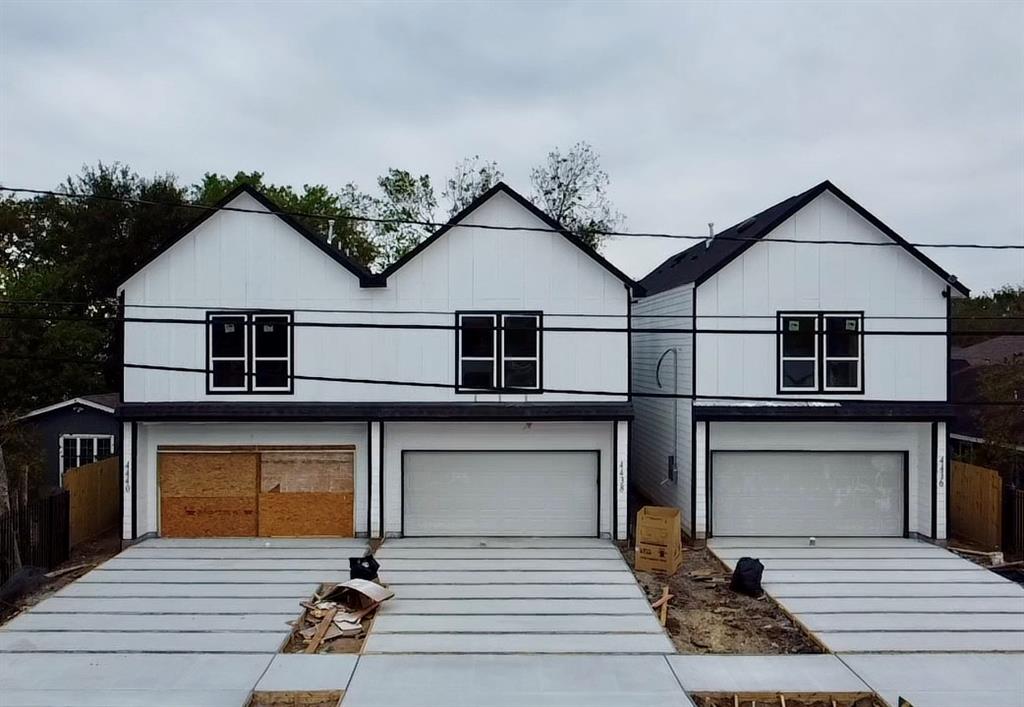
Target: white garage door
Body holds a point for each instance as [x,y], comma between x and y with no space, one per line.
[500,493]
[807,493]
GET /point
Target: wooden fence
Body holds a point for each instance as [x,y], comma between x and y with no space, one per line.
[976,505]
[95,498]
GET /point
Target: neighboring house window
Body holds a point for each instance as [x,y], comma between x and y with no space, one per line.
[80,449]
[498,351]
[249,352]
[821,352]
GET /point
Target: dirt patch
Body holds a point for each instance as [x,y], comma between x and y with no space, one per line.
[329,698]
[83,558]
[792,700]
[324,615]
[705,616]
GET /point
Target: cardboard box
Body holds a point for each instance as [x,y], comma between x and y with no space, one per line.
[658,558]
[658,525]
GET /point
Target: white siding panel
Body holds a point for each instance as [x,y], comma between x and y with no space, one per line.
[771,277]
[240,260]
[654,435]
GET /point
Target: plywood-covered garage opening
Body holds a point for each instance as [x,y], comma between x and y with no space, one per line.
[256,491]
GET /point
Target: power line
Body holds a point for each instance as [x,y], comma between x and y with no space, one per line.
[535,391]
[493,227]
[541,327]
[439,312]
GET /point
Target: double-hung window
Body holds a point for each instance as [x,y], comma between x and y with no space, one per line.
[820,352]
[249,352]
[498,351]
[80,449]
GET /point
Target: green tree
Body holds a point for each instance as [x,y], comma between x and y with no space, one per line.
[404,198]
[470,178]
[348,234]
[1001,310]
[572,188]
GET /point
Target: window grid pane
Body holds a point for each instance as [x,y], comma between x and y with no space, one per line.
[271,352]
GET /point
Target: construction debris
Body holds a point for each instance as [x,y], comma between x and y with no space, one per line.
[337,618]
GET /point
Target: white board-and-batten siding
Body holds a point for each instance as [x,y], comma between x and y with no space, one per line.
[772,277]
[242,260]
[655,435]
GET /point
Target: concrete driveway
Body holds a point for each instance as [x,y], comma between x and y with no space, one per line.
[512,595]
[865,595]
[168,622]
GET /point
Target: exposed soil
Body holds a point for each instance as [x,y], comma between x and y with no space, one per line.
[83,558]
[750,700]
[705,616]
[295,699]
[310,618]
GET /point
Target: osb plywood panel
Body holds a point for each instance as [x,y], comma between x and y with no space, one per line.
[307,471]
[303,514]
[208,475]
[218,516]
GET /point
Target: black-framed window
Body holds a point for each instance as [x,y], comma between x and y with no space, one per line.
[820,352]
[498,351]
[249,352]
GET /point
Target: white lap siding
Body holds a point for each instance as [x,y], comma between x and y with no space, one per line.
[658,430]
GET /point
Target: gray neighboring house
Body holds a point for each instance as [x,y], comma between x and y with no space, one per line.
[75,432]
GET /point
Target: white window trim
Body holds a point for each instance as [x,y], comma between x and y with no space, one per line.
[826,358]
[78,449]
[783,316]
[493,358]
[256,355]
[243,321]
[535,358]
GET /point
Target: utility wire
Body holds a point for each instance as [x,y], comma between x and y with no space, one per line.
[495,227]
[541,327]
[534,391]
[318,310]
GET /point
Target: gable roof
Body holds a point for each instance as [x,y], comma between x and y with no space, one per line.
[337,255]
[549,222]
[702,260]
[105,402]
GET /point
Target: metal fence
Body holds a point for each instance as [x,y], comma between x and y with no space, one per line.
[41,532]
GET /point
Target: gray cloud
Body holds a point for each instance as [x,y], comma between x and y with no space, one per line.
[702,112]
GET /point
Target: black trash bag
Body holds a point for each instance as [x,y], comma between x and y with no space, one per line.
[746,578]
[364,567]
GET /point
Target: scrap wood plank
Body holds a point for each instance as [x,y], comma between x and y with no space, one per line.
[321,630]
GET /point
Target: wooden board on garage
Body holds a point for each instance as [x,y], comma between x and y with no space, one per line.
[256,491]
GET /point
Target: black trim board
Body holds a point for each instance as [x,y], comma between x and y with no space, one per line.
[835,411]
[502,188]
[364,275]
[597,452]
[701,261]
[369,479]
[904,456]
[135,479]
[935,478]
[380,480]
[245,411]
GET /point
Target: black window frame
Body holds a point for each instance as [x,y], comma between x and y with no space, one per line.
[251,319]
[498,368]
[821,357]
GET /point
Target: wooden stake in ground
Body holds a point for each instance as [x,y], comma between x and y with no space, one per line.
[662,604]
[321,630]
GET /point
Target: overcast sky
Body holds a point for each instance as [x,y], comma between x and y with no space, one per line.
[700,112]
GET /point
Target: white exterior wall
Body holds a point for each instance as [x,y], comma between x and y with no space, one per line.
[911,437]
[152,435]
[654,438]
[536,436]
[772,277]
[240,260]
